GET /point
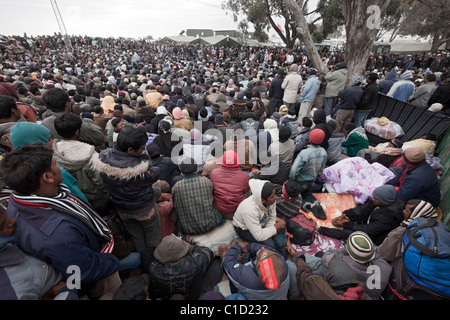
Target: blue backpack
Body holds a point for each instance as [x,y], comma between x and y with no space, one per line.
[426,254]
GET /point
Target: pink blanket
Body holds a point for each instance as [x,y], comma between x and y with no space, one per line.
[358,177]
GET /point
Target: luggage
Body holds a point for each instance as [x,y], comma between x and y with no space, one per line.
[402,287]
[302,230]
[426,254]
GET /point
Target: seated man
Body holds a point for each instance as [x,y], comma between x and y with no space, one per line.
[255,219]
[376,217]
[23,276]
[193,197]
[270,280]
[55,225]
[230,185]
[417,180]
[359,253]
[356,140]
[76,157]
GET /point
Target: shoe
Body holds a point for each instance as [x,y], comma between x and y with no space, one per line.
[318,212]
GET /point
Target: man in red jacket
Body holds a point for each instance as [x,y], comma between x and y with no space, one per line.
[230,185]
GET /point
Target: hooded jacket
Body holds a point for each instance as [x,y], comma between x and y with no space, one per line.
[252,215]
[245,276]
[291,85]
[76,157]
[320,121]
[128,179]
[385,85]
[403,89]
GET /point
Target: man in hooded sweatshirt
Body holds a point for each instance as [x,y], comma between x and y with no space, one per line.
[255,219]
[403,89]
[386,84]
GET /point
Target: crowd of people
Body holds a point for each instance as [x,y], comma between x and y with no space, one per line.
[136,170]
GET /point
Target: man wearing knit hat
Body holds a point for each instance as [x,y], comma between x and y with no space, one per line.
[309,165]
[376,217]
[417,180]
[372,271]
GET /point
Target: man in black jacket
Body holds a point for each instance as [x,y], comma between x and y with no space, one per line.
[276,92]
[442,94]
[376,217]
[368,100]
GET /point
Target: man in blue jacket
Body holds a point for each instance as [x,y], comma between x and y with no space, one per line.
[417,180]
[57,226]
[308,95]
[264,277]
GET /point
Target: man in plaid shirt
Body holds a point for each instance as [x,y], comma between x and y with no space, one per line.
[193,198]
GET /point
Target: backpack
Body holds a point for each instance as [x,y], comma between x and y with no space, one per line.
[302,229]
[402,287]
[426,254]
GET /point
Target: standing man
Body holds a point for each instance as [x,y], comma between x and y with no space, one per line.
[368,100]
[292,85]
[348,100]
[308,95]
[335,83]
[276,92]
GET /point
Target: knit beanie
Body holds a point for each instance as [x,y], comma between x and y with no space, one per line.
[161,110]
[422,209]
[219,119]
[316,136]
[171,249]
[267,190]
[153,150]
[284,133]
[414,155]
[195,134]
[386,194]
[270,270]
[28,132]
[360,247]
[188,166]
[230,159]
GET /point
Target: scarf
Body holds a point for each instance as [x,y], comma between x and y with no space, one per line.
[68,203]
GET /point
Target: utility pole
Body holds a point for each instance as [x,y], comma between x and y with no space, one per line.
[62,27]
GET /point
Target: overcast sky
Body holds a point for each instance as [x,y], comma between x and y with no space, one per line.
[127,18]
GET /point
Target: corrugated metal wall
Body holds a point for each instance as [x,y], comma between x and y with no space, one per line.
[443,152]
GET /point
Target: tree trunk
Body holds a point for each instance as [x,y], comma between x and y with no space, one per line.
[303,31]
[361,26]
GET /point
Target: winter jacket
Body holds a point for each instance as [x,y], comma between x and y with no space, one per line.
[291,122]
[252,215]
[291,85]
[320,122]
[363,274]
[246,279]
[442,96]
[420,182]
[309,164]
[62,241]
[423,94]
[385,85]
[310,89]
[376,222]
[350,97]
[335,82]
[128,179]
[76,157]
[275,90]
[334,148]
[230,188]
[167,279]
[402,90]
[168,169]
[369,98]
[246,152]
